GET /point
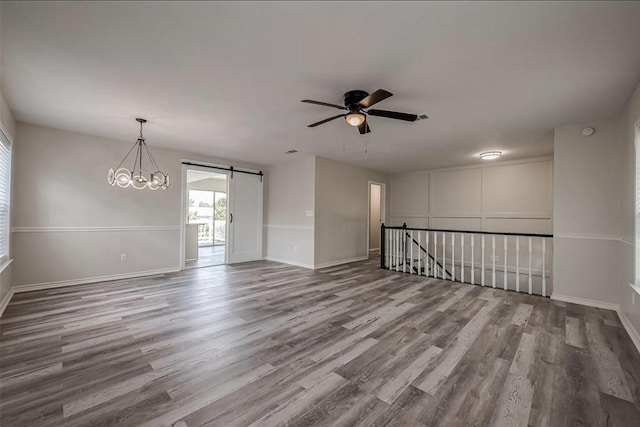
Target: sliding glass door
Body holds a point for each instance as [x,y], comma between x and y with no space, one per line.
[208,210]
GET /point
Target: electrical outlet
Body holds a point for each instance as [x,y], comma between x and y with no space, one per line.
[123,257]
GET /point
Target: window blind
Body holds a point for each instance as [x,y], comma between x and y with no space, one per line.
[5,194]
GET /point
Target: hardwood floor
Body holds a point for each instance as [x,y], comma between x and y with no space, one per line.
[267,344]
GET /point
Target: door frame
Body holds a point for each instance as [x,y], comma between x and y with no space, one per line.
[183,209]
[383,207]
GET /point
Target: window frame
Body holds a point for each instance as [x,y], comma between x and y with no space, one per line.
[5,141]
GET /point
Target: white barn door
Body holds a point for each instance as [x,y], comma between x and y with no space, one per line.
[244,218]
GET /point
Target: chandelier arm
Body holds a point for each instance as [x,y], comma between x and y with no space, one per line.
[153,161]
[135,161]
[125,157]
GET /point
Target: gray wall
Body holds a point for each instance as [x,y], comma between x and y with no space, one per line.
[290,196]
[587,201]
[341,227]
[70,225]
[498,196]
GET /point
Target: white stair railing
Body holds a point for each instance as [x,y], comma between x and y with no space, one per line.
[453,255]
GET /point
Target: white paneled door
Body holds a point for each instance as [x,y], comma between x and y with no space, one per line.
[245,218]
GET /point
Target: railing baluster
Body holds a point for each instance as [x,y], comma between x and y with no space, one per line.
[419,250]
[482,266]
[462,258]
[397,250]
[384,253]
[404,250]
[544,273]
[444,255]
[411,252]
[505,264]
[493,262]
[435,254]
[392,239]
[473,256]
[517,264]
[397,235]
[530,257]
[453,256]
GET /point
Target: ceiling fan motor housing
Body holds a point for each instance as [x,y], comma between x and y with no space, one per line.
[352,98]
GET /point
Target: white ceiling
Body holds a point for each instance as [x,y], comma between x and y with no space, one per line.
[226,79]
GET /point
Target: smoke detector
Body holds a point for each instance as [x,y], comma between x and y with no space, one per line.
[588,131]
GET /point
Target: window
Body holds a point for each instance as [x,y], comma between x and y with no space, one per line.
[636,285]
[5,194]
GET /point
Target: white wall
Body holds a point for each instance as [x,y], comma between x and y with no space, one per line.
[290,195]
[70,225]
[341,211]
[586,203]
[502,197]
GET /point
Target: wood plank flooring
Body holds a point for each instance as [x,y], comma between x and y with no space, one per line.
[265,344]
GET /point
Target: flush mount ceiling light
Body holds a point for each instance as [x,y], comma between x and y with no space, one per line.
[490,155]
[138,177]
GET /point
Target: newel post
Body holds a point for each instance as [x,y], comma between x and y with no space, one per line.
[383,246]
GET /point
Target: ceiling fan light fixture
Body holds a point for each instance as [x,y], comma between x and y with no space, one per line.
[491,155]
[355,118]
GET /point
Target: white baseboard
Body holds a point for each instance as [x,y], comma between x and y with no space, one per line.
[628,326]
[290,262]
[87,280]
[5,301]
[340,262]
[587,302]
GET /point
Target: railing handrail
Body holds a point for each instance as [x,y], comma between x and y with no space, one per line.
[404,227]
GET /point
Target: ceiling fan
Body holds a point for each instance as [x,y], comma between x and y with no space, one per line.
[355,102]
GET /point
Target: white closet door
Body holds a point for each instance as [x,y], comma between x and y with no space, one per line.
[245,218]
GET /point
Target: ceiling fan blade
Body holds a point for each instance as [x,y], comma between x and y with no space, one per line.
[393,115]
[326,104]
[375,97]
[364,128]
[325,120]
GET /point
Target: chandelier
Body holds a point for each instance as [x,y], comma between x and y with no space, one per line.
[138,177]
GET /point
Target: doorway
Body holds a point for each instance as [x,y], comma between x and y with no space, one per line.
[206,218]
[376,215]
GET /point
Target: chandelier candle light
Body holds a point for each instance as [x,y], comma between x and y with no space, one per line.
[138,177]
